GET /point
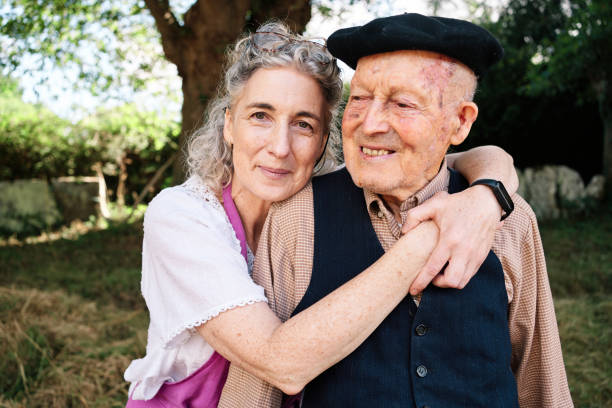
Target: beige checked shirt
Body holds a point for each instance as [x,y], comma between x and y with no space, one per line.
[284,264]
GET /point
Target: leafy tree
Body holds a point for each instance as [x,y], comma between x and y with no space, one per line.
[127,136]
[56,31]
[538,122]
[34,142]
[580,52]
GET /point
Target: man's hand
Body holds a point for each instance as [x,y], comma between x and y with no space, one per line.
[467,222]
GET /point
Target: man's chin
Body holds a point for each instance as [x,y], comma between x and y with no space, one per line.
[376,186]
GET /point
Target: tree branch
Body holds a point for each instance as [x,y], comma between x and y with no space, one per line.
[168,27]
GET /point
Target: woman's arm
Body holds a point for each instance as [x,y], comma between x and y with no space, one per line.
[490,162]
[289,355]
[467,220]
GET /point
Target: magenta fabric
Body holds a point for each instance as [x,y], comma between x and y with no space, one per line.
[203,387]
[234,217]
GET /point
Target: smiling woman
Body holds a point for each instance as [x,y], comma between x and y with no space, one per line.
[276,139]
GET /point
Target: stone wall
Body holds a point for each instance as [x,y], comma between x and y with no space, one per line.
[558,191]
[28,207]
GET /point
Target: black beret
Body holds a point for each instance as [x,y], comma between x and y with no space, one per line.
[472,45]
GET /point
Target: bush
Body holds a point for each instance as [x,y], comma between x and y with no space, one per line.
[128,144]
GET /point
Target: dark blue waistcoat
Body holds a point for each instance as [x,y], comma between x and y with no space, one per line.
[452,351]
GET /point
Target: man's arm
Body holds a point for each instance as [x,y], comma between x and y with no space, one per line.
[537,360]
[467,220]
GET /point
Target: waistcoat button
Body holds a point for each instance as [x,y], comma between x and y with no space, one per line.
[421,329]
[421,371]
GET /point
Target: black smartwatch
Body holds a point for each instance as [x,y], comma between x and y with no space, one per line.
[502,196]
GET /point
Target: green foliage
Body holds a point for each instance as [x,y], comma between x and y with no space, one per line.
[62,34]
[554,127]
[35,143]
[579,51]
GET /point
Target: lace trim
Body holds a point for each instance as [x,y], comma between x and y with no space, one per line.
[168,342]
[196,188]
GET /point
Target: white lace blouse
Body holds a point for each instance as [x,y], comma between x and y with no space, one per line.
[192,270]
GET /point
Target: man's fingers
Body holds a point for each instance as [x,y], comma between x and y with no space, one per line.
[453,275]
[416,216]
[434,265]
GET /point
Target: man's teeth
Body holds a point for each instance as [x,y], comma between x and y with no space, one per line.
[372,152]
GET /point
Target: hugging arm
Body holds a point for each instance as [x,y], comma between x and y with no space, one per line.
[467,220]
[289,355]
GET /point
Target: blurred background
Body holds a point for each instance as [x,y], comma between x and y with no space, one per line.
[97,98]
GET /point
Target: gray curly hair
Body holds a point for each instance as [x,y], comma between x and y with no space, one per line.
[209,156]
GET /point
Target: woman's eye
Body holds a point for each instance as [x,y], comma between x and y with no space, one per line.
[304,125]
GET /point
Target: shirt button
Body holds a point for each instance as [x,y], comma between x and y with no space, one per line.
[421,329]
[421,371]
[379,214]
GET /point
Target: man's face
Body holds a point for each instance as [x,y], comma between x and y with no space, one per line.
[399,121]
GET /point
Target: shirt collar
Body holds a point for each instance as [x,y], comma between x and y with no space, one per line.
[377,208]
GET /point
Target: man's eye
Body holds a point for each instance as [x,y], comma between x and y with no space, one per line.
[259,115]
[404,105]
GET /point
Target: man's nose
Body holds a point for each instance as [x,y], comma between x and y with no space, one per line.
[375,120]
[279,143]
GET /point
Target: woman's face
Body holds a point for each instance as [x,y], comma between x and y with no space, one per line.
[277,129]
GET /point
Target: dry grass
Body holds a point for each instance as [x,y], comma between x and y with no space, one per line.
[61,351]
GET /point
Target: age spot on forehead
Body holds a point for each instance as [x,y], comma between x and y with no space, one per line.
[437,75]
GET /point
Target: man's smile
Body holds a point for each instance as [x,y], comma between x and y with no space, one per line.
[375,152]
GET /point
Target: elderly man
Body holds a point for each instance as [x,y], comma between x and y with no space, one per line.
[494,343]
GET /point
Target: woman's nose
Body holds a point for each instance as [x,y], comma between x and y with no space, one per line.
[279,143]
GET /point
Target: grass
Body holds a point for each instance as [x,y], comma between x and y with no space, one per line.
[72,318]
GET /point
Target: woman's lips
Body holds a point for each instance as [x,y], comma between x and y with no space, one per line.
[274,172]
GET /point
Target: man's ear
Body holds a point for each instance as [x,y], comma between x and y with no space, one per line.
[227,128]
[467,112]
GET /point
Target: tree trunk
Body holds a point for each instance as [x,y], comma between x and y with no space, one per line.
[607,150]
[603,92]
[197,48]
[123,175]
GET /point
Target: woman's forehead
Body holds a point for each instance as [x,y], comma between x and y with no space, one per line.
[283,87]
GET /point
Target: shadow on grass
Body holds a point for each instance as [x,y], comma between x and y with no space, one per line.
[103,265]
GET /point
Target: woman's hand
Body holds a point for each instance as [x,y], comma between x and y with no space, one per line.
[467,222]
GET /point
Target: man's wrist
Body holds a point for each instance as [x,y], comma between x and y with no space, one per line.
[488,198]
[499,193]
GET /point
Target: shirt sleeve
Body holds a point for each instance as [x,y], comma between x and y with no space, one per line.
[192,266]
[537,360]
